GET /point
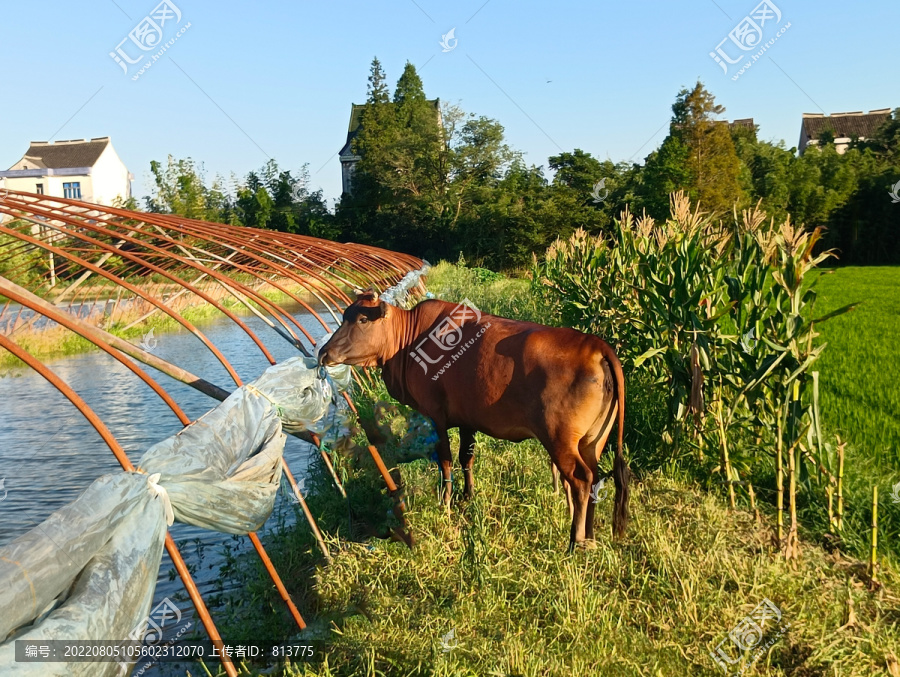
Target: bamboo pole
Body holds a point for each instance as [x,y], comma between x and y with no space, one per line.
[840,486]
[829,492]
[791,550]
[52,261]
[753,502]
[285,596]
[306,511]
[97,335]
[287,334]
[328,464]
[199,605]
[126,464]
[779,484]
[726,461]
[393,489]
[873,553]
[84,276]
[174,296]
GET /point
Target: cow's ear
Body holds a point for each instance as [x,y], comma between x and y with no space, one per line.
[385,309]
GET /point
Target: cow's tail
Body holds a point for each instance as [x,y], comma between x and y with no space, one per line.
[621,473]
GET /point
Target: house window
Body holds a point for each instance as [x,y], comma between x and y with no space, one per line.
[39,188]
[72,190]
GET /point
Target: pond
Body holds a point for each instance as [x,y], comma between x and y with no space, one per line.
[49,453]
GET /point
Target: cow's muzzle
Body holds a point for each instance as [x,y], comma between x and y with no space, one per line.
[325,357]
[322,353]
[322,359]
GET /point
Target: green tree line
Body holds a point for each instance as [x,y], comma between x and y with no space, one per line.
[435,181]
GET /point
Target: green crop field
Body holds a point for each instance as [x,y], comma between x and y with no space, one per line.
[860,369]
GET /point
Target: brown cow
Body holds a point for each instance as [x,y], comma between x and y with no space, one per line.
[507,379]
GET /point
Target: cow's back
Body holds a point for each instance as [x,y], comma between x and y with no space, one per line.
[509,379]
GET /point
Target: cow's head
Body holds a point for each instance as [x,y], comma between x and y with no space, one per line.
[363,336]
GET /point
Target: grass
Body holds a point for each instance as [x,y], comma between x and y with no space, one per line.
[495,572]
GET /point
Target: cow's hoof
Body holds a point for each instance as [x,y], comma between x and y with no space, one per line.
[587,544]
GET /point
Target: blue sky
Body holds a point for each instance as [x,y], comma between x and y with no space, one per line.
[249,81]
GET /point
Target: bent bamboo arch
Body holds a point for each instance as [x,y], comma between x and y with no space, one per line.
[94,270]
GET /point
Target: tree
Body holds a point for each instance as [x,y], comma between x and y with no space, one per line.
[409,86]
[412,164]
[698,156]
[378,91]
[508,220]
[765,171]
[712,161]
[400,180]
[180,188]
[255,206]
[665,172]
[885,143]
[573,189]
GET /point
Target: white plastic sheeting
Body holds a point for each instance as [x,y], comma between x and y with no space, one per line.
[397,294]
[302,399]
[89,571]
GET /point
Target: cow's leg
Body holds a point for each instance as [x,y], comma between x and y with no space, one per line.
[589,456]
[591,447]
[555,472]
[467,458]
[578,475]
[445,461]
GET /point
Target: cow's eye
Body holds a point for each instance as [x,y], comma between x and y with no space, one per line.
[363,319]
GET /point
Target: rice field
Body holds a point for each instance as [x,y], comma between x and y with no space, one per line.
[860,369]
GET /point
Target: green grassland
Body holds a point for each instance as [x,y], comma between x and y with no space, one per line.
[491,590]
[496,574]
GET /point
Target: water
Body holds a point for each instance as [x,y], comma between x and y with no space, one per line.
[49,453]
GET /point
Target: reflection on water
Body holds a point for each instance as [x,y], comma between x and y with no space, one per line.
[49,453]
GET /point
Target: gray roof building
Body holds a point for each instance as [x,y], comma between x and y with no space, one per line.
[845,127]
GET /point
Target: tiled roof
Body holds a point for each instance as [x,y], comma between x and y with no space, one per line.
[844,125]
[356,111]
[65,154]
[744,122]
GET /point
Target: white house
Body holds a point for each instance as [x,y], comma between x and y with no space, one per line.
[79,169]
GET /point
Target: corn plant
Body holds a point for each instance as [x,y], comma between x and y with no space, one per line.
[718,316]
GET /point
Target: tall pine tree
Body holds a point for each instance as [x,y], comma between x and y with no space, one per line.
[377,91]
[698,156]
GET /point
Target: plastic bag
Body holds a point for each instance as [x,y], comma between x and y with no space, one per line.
[89,570]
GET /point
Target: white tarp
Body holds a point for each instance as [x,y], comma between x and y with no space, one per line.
[89,571]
